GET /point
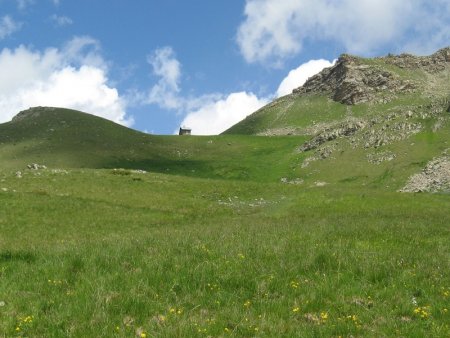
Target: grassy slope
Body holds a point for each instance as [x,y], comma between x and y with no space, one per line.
[350,165]
[70,139]
[210,243]
[107,254]
[290,111]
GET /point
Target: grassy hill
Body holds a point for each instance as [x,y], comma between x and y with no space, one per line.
[368,121]
[63,138]
[302,233]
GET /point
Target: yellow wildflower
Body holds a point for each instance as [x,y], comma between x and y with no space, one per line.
[422,311]
[294,284]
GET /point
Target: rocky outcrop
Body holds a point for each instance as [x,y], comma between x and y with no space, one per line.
[389,133]
[352,81]
[282,131]
[31,112]
[431,64]
[343,129]
[434,177]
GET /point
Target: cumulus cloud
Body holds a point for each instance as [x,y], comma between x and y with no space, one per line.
[165,66]
[216,116]
[8,26]
[61,20]
[212,113]
[297,77]
[274,30]
[74,76]
[206,114]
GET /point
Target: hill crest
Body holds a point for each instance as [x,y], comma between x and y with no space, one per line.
[32,112]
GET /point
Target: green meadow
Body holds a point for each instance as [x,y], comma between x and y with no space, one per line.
[132,235]
[118,253]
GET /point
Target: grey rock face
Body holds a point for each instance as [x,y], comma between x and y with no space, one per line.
[432,64]
[351,82]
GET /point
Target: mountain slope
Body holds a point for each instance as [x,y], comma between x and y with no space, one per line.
[64,138]
[385,117]
[382,123]
[355,87]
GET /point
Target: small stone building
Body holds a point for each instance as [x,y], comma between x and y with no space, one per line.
[184,131]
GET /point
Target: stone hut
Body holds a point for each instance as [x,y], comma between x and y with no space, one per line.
[184,131]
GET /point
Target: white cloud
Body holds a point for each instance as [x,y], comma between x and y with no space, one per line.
[74,76]
[216,116]
[214,113]
[83,50]
[8,26]
[207,114]
[297,77]
[274,30]
[166,92]
[61,20]
[431,28]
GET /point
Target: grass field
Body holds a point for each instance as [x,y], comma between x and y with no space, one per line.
[208,242]
[117,253]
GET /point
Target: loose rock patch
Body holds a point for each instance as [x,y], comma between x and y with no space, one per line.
[434,177]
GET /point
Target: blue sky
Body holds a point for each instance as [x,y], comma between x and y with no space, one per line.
[155,65]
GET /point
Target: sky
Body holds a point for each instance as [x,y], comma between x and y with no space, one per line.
[157,65]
